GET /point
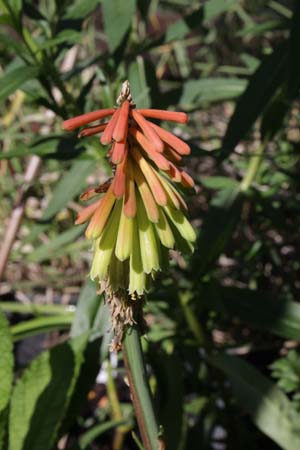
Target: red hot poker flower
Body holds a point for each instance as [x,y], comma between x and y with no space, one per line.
[141,214]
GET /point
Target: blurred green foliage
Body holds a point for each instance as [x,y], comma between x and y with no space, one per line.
[218,323]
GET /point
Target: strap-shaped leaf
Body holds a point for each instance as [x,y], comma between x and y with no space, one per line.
[138,81]
[42,394]
[14,79]
[217,228]
[294,51]
[41,325]
[52,248]
[79,9]
[6,362]
[14,7]
[268,406]
[117,20]
[68,187]
[6,373]
[261,88]
[87,307]
[258,308]
[209,90]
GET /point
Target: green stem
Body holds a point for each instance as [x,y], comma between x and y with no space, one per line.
[140,390]
[252,169]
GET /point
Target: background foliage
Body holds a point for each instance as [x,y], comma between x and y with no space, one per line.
[224,327]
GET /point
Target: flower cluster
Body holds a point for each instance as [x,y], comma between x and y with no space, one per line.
[139,214]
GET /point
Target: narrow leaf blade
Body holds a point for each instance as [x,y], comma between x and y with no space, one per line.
[265,80]
[6,362]
[117,19]
[49,380]
[269,408]
[14,80]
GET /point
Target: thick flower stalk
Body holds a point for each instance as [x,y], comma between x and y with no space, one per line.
[139,214]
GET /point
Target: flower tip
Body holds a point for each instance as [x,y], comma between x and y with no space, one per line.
[80,219]
[67,125]
[183,117]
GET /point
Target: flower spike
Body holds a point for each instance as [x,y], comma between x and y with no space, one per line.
[138,214]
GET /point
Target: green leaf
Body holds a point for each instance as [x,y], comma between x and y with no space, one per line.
[213,8]
[88,304]
[41,149]
[85,382]
[42,394]
[35,308]
[14,79]
[12,44]
[219,182]
[138,83]
[41,325]
[50,250]
[80,9]
[274,115]
[92,315]
[6,362]
[33,12]
[5,19]
[294,51]
[117,16]
[179,29]
[170,391]
[68,187]
[268,406]
[3,428]
[102,327]
[256,29]
[66,36]
[261,88]
[89,436]
[260,309]
[200,92]
[15,6]
[55,146]
[217,229]
[6,374]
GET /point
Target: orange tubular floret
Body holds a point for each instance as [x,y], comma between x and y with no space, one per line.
[170,191]
[178,197]
[88,194]
[106,137]
[92,130]
[130,200]
[173,141]
[148,131]
[146,194]
[84,119]
[187,180]
[154,183]
[86,213]
[120,178]
[172,155]
[174,173]
[173,116]
[118,152]
[100,217]
[161,162]
[120,130]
